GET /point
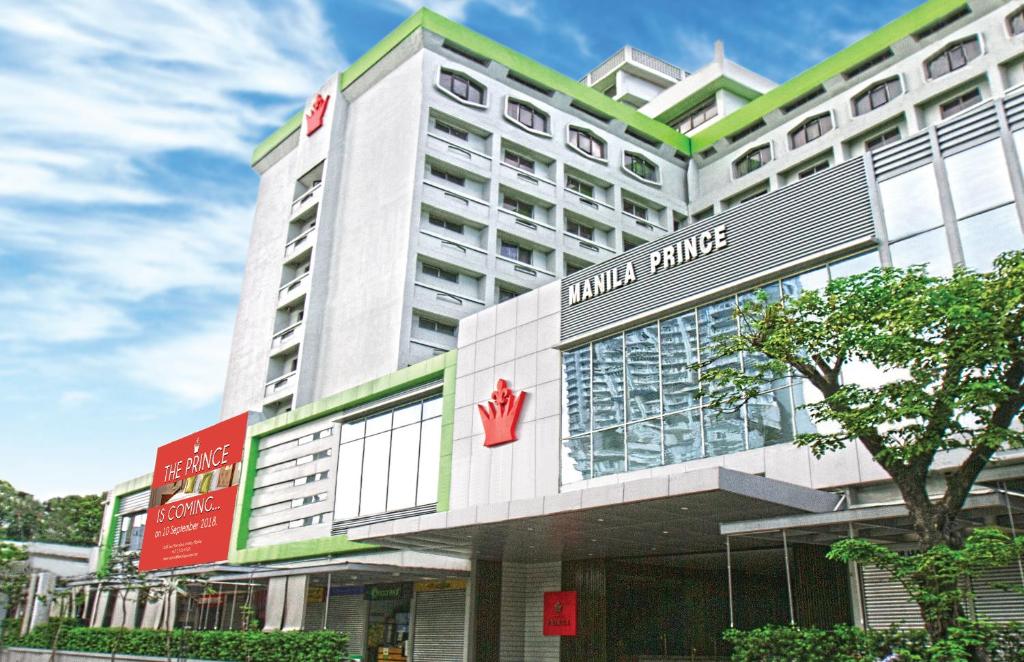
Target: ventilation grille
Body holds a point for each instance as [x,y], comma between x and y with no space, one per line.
[343,526]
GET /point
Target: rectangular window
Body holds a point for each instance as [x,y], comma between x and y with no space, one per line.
[505,294]
[451,226]
[389,462]
[526,115]
[881,140]
[588,143]
[817,167]
[953,57]
[517,206]
[449,177]
[960,103]
[700,115]
[452,131]
[437,327]
[516,252]
[634,209]
[519,161]
[1015,22]
[580,230]
[579,186]
[639,166]
[443,274]
[752,160]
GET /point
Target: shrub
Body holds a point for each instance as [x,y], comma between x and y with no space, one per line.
[313,646]
[844,643]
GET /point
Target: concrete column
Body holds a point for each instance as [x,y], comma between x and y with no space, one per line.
[100,608]
[295,602]
[276,589]
[151,613]
[26,620]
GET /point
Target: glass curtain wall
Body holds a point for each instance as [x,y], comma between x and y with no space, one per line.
[632,401]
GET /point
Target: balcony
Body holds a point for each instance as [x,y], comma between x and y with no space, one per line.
[634,58]
[280,387]
[307,199]
[586,250]
[457,203]
[285,338]
[300,243]
[292,290]
[451,251]
[524,181]
[446,304]
[537,232]
[454,152]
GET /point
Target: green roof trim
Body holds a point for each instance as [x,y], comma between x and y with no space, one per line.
[277,137]
[492,50]
[802,83]
[121,490]
[439,367]
[700,96]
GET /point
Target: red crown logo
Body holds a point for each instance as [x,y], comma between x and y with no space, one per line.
[315,116]
[501,415]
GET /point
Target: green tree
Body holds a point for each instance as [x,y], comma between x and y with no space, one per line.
[14,574]
[20,513]
[951,353]
[71,520]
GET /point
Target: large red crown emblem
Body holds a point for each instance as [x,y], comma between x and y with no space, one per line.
[315,116]
[501,414]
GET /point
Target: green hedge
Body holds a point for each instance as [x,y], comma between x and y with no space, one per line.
[313,646]
[844,643]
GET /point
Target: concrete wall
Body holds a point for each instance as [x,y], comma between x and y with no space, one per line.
[522,611]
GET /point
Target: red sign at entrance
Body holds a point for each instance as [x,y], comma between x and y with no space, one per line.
[192,502]
[560,614]
[501,414]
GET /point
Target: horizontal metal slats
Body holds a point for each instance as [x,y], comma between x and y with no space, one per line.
[1014,105]
[993,595]
[886,602]
[903,156]
[440,626]
[343,526]
[973,127]
[134,502]
[793,223]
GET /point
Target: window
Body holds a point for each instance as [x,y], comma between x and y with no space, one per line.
[861,67]
[634,209]
[752,160]
[461,87]
[756,193]
[516,252]
[449,177]
[953,57]
[746,131]
[632,401]
[640,167]
[629,243]
[389,461]
[817,167]
[438,272]
[877,96]
[437,327]
[946,20]
[133,527]
[810,130]
[579,186]
[957,104]
[517,206]
[527,116]
[519,161]
[451,226]
[1015,22]
[881,140]
[803,99]
[587,143]
[504,294]
[699,115]
[580,230]
[452,131]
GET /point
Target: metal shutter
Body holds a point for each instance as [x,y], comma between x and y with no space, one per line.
[439,626]
[133,502]
[886,602]
[993,601]
[347,613]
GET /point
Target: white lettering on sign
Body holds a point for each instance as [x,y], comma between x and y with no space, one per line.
[673,255]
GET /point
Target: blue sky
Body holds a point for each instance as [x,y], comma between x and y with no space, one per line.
[126,196]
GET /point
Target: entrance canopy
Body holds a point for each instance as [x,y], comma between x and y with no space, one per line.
[674,514]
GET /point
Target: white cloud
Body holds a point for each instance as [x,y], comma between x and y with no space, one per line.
[189,366]
[457,9]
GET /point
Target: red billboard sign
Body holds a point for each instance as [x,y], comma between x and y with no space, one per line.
[560,614]
[192,502]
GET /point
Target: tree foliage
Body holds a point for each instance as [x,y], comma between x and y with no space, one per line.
[20,513]
[944,365]
[69,520]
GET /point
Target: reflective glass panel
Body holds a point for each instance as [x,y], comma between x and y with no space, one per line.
[723,431]
[350,466]
[576,391]
[609,452]
[930,249]
[575,459]
[608,394]
[985,236]
[642,374]
[432,408]
[350,431]
[770,419]
[978,178]
[911,202]
[812,280]
[753,360]
[682,437]
[643,444]
[804,393]
[406,415]
[716,321]
[678,353]
[430,461]
[377,424]
[854,265]
[405,445]
[373,497]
